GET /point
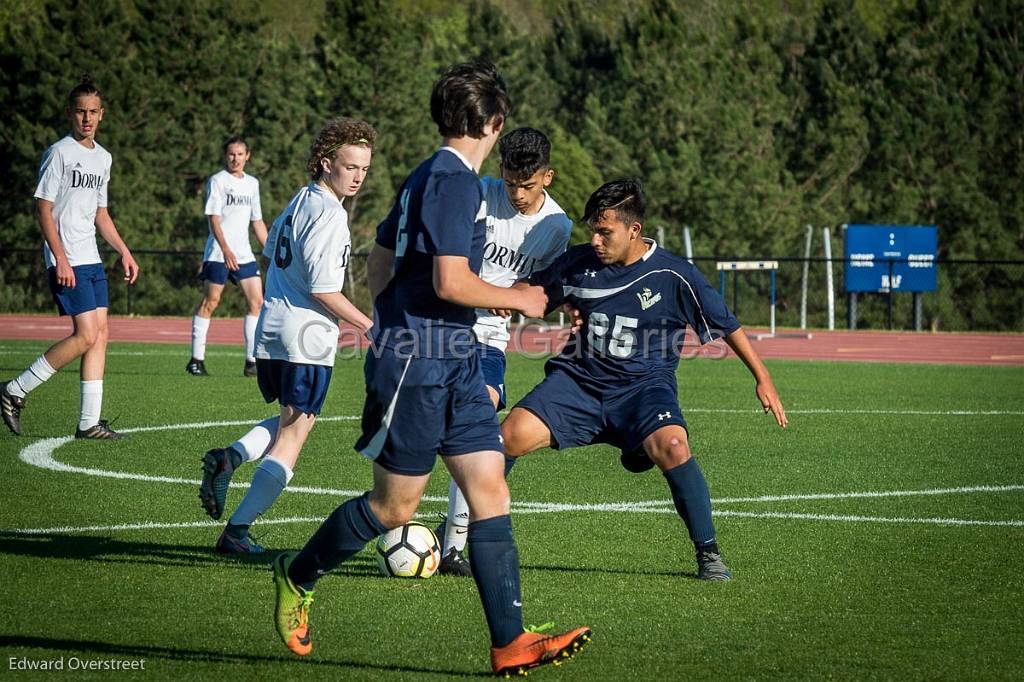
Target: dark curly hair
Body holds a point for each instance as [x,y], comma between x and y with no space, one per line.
[625,197]
[333,136]
[467,97]
[524,151]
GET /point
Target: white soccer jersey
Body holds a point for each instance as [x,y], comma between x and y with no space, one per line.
[75,179]
[517,246]
[309,256]
[237,202]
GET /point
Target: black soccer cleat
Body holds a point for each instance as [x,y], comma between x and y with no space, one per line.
[250,368]
[196,368]
[100,431]
[636,462]
[453,563]
[11,406]
[711,567]
[213,490]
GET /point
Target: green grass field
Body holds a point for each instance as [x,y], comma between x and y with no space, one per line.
[922,582]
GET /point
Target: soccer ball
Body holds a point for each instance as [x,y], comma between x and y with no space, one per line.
[409,551]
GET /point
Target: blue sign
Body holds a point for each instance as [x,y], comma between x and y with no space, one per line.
[912,250]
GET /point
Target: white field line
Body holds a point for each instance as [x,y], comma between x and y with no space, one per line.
[615,508]
[40,454]
[829,410]
[874,493]
[153,525]
[853,518]
[8,350]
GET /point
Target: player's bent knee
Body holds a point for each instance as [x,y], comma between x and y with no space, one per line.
[390,513]
[516,434]
[668,450]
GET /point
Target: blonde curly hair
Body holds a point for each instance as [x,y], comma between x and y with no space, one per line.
[334,135]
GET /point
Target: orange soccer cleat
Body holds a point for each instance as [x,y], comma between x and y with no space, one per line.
[532,649]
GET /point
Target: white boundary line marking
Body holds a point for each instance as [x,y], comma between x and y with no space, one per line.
[799,516]
[829,410]
[40,454]
[868,519]
[879,493]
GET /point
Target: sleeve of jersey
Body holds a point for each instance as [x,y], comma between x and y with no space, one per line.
[214,197]
[387,231]
[322,251]
[560,231]
[703,308]
[51,171]
[451,204]
[101,195]
[551,279]
[271,244]
[257,209]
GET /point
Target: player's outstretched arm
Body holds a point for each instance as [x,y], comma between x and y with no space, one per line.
[456,283]
[107,229]
[342,308]
[378,269]
[765,389]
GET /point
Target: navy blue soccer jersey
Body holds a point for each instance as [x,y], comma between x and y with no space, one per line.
[635,316]
[440,211]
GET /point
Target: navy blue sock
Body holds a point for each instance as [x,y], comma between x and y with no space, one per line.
[496,572]
[693,501]
[509,463]
[343,534]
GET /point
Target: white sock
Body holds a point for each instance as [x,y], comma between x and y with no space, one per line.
[250,337]
[200,325]
[269,480]
[38,372]
[456,529]
[258,440]
[92,404]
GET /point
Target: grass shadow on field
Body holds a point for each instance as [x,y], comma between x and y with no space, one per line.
[198,655]
[92,548]
[608,571]
[110,550]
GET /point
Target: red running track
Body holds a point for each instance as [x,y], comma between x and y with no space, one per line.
[869,346]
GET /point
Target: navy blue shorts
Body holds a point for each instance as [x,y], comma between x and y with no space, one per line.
[418,408]
[303,387]
[578,415]
[218,273]
[492,364]
[90,291]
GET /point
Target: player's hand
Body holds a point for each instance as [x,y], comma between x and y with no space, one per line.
[501,312]
[533,301]
[131,268]
[229,260]
[770,401]
[575,317]
[65,274]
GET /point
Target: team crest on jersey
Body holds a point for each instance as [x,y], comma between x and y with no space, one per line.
[647,299]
